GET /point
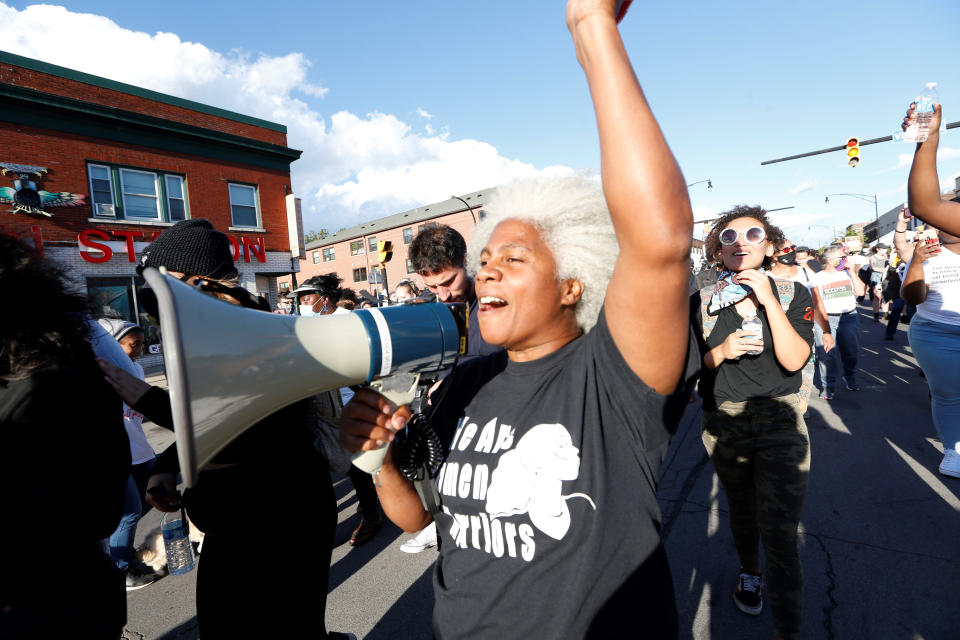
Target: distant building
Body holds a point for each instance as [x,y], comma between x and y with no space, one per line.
[93,170]
[352,253]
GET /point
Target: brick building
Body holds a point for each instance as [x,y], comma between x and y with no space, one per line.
[114,165]
[352,252]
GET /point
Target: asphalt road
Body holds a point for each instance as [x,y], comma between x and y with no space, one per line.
[879,539]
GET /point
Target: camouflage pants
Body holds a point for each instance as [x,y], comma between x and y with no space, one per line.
[761,452]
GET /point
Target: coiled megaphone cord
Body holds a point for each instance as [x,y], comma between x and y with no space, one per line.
[418,450]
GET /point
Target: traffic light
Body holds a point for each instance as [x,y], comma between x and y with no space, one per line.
[384,251]
[853,151]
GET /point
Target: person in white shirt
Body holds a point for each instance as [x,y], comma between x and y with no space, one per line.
[835,291]
[130,338]
[933,284]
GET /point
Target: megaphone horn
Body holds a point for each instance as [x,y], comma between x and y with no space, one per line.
[228,367]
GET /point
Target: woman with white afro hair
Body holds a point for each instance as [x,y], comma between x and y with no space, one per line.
[573,220]
[549,521]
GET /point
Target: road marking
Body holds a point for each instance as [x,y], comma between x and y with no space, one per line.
[932,481]
[900,379]
[936,444]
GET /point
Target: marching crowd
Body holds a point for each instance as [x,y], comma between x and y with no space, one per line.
[576,377]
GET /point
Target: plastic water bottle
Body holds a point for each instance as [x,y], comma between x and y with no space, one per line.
[924,111]
[176,541]
[753,327]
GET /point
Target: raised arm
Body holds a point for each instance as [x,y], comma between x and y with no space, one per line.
[923,187]
[904,248]
[646,300]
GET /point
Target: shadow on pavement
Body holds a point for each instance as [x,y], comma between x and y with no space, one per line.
[410,617]
[186,631]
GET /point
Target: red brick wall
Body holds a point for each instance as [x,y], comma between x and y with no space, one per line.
[39,81]
[397,267]
[66,155]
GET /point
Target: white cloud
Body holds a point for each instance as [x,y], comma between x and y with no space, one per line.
[806,185]
[944,153]
[353,167]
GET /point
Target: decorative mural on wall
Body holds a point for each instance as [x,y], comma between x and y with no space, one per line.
[24,195]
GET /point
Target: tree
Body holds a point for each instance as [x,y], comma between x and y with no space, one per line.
[310,236]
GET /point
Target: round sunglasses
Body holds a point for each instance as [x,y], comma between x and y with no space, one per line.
[753,235]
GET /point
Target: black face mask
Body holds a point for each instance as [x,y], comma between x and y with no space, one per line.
[789,259]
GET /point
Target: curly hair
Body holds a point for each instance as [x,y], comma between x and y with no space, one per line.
[437,246]
[327,285]
[774,235]
[30,340]
[572,216]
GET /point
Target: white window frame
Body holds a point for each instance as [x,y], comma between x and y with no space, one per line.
[93,202]
[256,205]
[156,197]
[316,257]
[362,250]
[182,198]
[333,254]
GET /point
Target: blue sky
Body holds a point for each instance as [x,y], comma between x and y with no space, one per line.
[401,104]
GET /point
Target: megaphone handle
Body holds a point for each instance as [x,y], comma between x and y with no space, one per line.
[399,389]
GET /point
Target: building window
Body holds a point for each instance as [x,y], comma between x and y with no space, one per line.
[316,257]
[119,298]
[101,191]
[176,202]
[410,268]
[137,194]
[372,244]
[360,275]
[407,235]
[329,255]
[356,248]
[421,227]
[243,205]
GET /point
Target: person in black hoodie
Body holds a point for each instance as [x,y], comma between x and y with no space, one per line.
[60,424]
[270,476]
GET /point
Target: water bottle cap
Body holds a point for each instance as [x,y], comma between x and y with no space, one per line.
[930,85]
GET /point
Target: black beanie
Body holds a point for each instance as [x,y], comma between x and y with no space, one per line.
[192,247]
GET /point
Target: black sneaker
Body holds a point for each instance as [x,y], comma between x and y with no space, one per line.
[139,578]
[749,593]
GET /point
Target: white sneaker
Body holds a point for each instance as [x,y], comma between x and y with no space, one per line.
[424,540]
[951,463]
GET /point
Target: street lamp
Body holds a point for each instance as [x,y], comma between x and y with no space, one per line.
[469,208]
[868,198]
[709,184]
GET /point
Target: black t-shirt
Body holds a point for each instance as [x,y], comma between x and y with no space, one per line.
[476,345]
[550,523]
[750,377]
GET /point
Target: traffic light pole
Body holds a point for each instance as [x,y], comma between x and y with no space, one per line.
[951,125]
[386,288]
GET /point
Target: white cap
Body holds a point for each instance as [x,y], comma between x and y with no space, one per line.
[930,85]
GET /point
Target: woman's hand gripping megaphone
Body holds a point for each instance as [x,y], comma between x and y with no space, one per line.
[370,421]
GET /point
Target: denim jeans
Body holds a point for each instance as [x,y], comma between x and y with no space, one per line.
[846,339]
[936,346]
[134,506]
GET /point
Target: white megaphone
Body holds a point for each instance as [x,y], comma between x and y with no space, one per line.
[228,367]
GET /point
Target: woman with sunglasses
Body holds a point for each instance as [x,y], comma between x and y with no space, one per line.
[753,426]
